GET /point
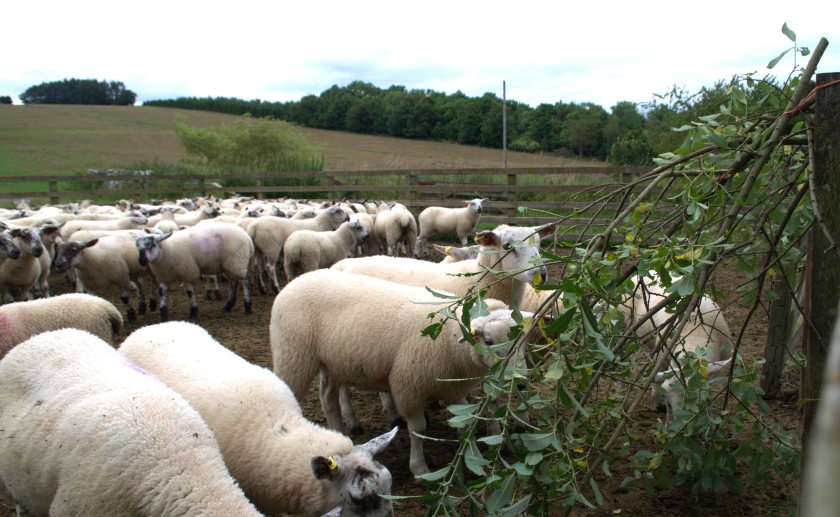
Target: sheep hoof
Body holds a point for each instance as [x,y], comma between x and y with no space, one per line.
[131,316]
[164,314]
[152,305]
[218,295]
[141,309]
[228,306]
[193,313]
[248,308]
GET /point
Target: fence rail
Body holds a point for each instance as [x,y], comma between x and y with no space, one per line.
[517,195]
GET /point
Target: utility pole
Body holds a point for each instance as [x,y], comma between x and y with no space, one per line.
[504,126]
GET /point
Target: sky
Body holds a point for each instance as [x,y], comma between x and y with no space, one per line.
[543,51]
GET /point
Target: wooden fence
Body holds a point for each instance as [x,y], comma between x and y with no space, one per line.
[516,195]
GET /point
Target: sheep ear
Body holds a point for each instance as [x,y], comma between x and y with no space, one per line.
[163,237]
[378,444]
[325,467]
[88,244]
[487,238]
[15,232]
[546,231]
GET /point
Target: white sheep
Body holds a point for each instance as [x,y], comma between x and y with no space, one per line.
[508,260]
[438,220]
[371,246]
[306,250]
[318,323]
[21,320]
[85,432]
[105,262]
[706,333]
[190,218]
[8,250]
[396,229]
[204,249]
[283,462]
[270,233]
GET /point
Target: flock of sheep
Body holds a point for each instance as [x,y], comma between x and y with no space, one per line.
[172,422]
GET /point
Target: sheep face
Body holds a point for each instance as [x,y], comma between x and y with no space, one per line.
[69,253]
[148,247]
[476,204]
[358,477]
[138,218]
[7,247]
[359,231]
[491,333]
[337,216]
[519,248]
[29,241]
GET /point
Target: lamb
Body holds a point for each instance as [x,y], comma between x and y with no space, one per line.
[104,262]
[706,333]
[306,250]
[283,462]
[438,220]
[21,320]
[371,246]
[85,432]
[270,233]
[504,266]
[359,347]
[204,249]
[396,228]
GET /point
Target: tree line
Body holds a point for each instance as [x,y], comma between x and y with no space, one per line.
[629,134]
[79,91]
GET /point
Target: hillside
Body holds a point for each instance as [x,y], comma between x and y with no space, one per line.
[65,139]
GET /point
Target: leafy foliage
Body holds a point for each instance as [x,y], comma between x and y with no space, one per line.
[79,91]
[734,190]
[5,99]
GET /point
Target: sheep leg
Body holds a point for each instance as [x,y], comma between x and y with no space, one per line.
[330,402]
[130,315]
[190,288]
[164,304]
[420,245]
[246,294]
[141,296]
[390,409]
[231,301]
[272,275]
[417,461]
[348,413]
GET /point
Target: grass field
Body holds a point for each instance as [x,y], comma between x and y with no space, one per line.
[63,139]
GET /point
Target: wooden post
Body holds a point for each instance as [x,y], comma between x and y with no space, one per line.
[412,187]
[511,197]
[823,267]
[53,187]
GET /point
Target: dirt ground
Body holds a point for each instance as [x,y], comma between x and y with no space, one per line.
[247,335]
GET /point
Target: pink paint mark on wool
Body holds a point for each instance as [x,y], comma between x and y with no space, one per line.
[208,244]
[8,336]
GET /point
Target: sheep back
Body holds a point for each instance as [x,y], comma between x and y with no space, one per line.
[21,320]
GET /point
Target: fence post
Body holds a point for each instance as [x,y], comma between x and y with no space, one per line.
[511,197]
[412,187]
[53,187]
[823,266]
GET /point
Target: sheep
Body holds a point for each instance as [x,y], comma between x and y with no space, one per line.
[85,432]
[395,228]
[21,274]
[187,219]
[270,233]
[204,249]
[283,462]
[359,347]
[371,246]
[104,262]
[306,250]
[438,220]
[21,320]
[505,265]
[706,333]
[8,250]
[131,220]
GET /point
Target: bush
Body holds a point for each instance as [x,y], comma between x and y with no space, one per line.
[632,148]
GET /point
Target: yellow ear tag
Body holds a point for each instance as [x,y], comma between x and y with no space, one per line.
[446,250]
[333,465]
[538,279]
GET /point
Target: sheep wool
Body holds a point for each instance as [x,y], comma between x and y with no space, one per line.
[85,432]
[271,449]
[21,320]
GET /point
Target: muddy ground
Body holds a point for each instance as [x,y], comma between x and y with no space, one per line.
[247,335]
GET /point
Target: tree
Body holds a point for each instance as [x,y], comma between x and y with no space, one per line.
[583,129]
[79,91]
[5,99]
